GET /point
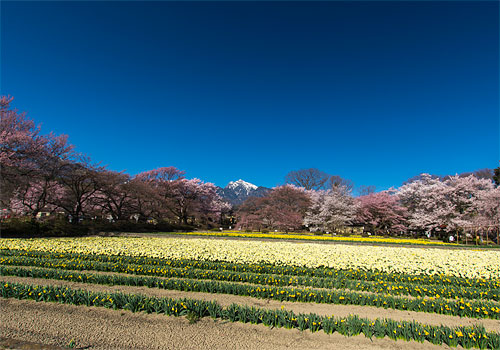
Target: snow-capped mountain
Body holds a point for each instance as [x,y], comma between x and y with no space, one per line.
[241,187]
[236,192]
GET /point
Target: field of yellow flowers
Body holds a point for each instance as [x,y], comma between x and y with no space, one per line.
[429,261]
[459,283]
[313,237]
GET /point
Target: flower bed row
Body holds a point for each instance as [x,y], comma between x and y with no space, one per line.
[312,237]
[440,306]
[348,274]
[464,263]
[264,279]
[349,326]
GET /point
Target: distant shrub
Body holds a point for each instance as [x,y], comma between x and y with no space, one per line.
[27,227]
[19,227]
[59,226]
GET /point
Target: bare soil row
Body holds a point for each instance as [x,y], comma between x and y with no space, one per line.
[103,329]
[297,307]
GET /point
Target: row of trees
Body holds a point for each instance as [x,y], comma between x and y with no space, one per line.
[427,204]
[43,173]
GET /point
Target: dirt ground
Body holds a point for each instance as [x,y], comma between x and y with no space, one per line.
[320,309]
[100,328]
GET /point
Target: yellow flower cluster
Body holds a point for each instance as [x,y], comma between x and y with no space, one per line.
[312,237]
[410,260]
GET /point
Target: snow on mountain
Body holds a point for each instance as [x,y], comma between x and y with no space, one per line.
[240,186]
[236,192]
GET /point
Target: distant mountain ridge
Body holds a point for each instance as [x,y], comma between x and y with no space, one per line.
[236,192]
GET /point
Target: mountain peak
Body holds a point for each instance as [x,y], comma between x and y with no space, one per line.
[241,184]
[236,192]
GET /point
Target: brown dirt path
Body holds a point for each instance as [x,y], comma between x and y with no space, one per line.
[99,328]
[369,312]
[9,343]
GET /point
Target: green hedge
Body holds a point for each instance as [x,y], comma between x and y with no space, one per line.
[440,306]
[349,326]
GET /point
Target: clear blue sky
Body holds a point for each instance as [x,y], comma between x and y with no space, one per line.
[376,92]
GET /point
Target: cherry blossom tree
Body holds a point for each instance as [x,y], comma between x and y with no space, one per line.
[35,190]
[159,185]
[211,207]
[33,197]
[180,198]
[286,207]
[330,210]
[20,145]
[160,176]
[381,212]
[489,212]
[443,206]
[145,200]
[30,162]
[283,208]
[115,195]
[191,198]
[248,214]
[79,183]
[489,207]
[221,210]
[464,194]
[20,139]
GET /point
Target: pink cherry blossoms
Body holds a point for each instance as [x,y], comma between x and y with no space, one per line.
[42,174]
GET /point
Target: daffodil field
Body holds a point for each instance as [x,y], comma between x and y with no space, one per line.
[466,263]
[462,283]
[313,237]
